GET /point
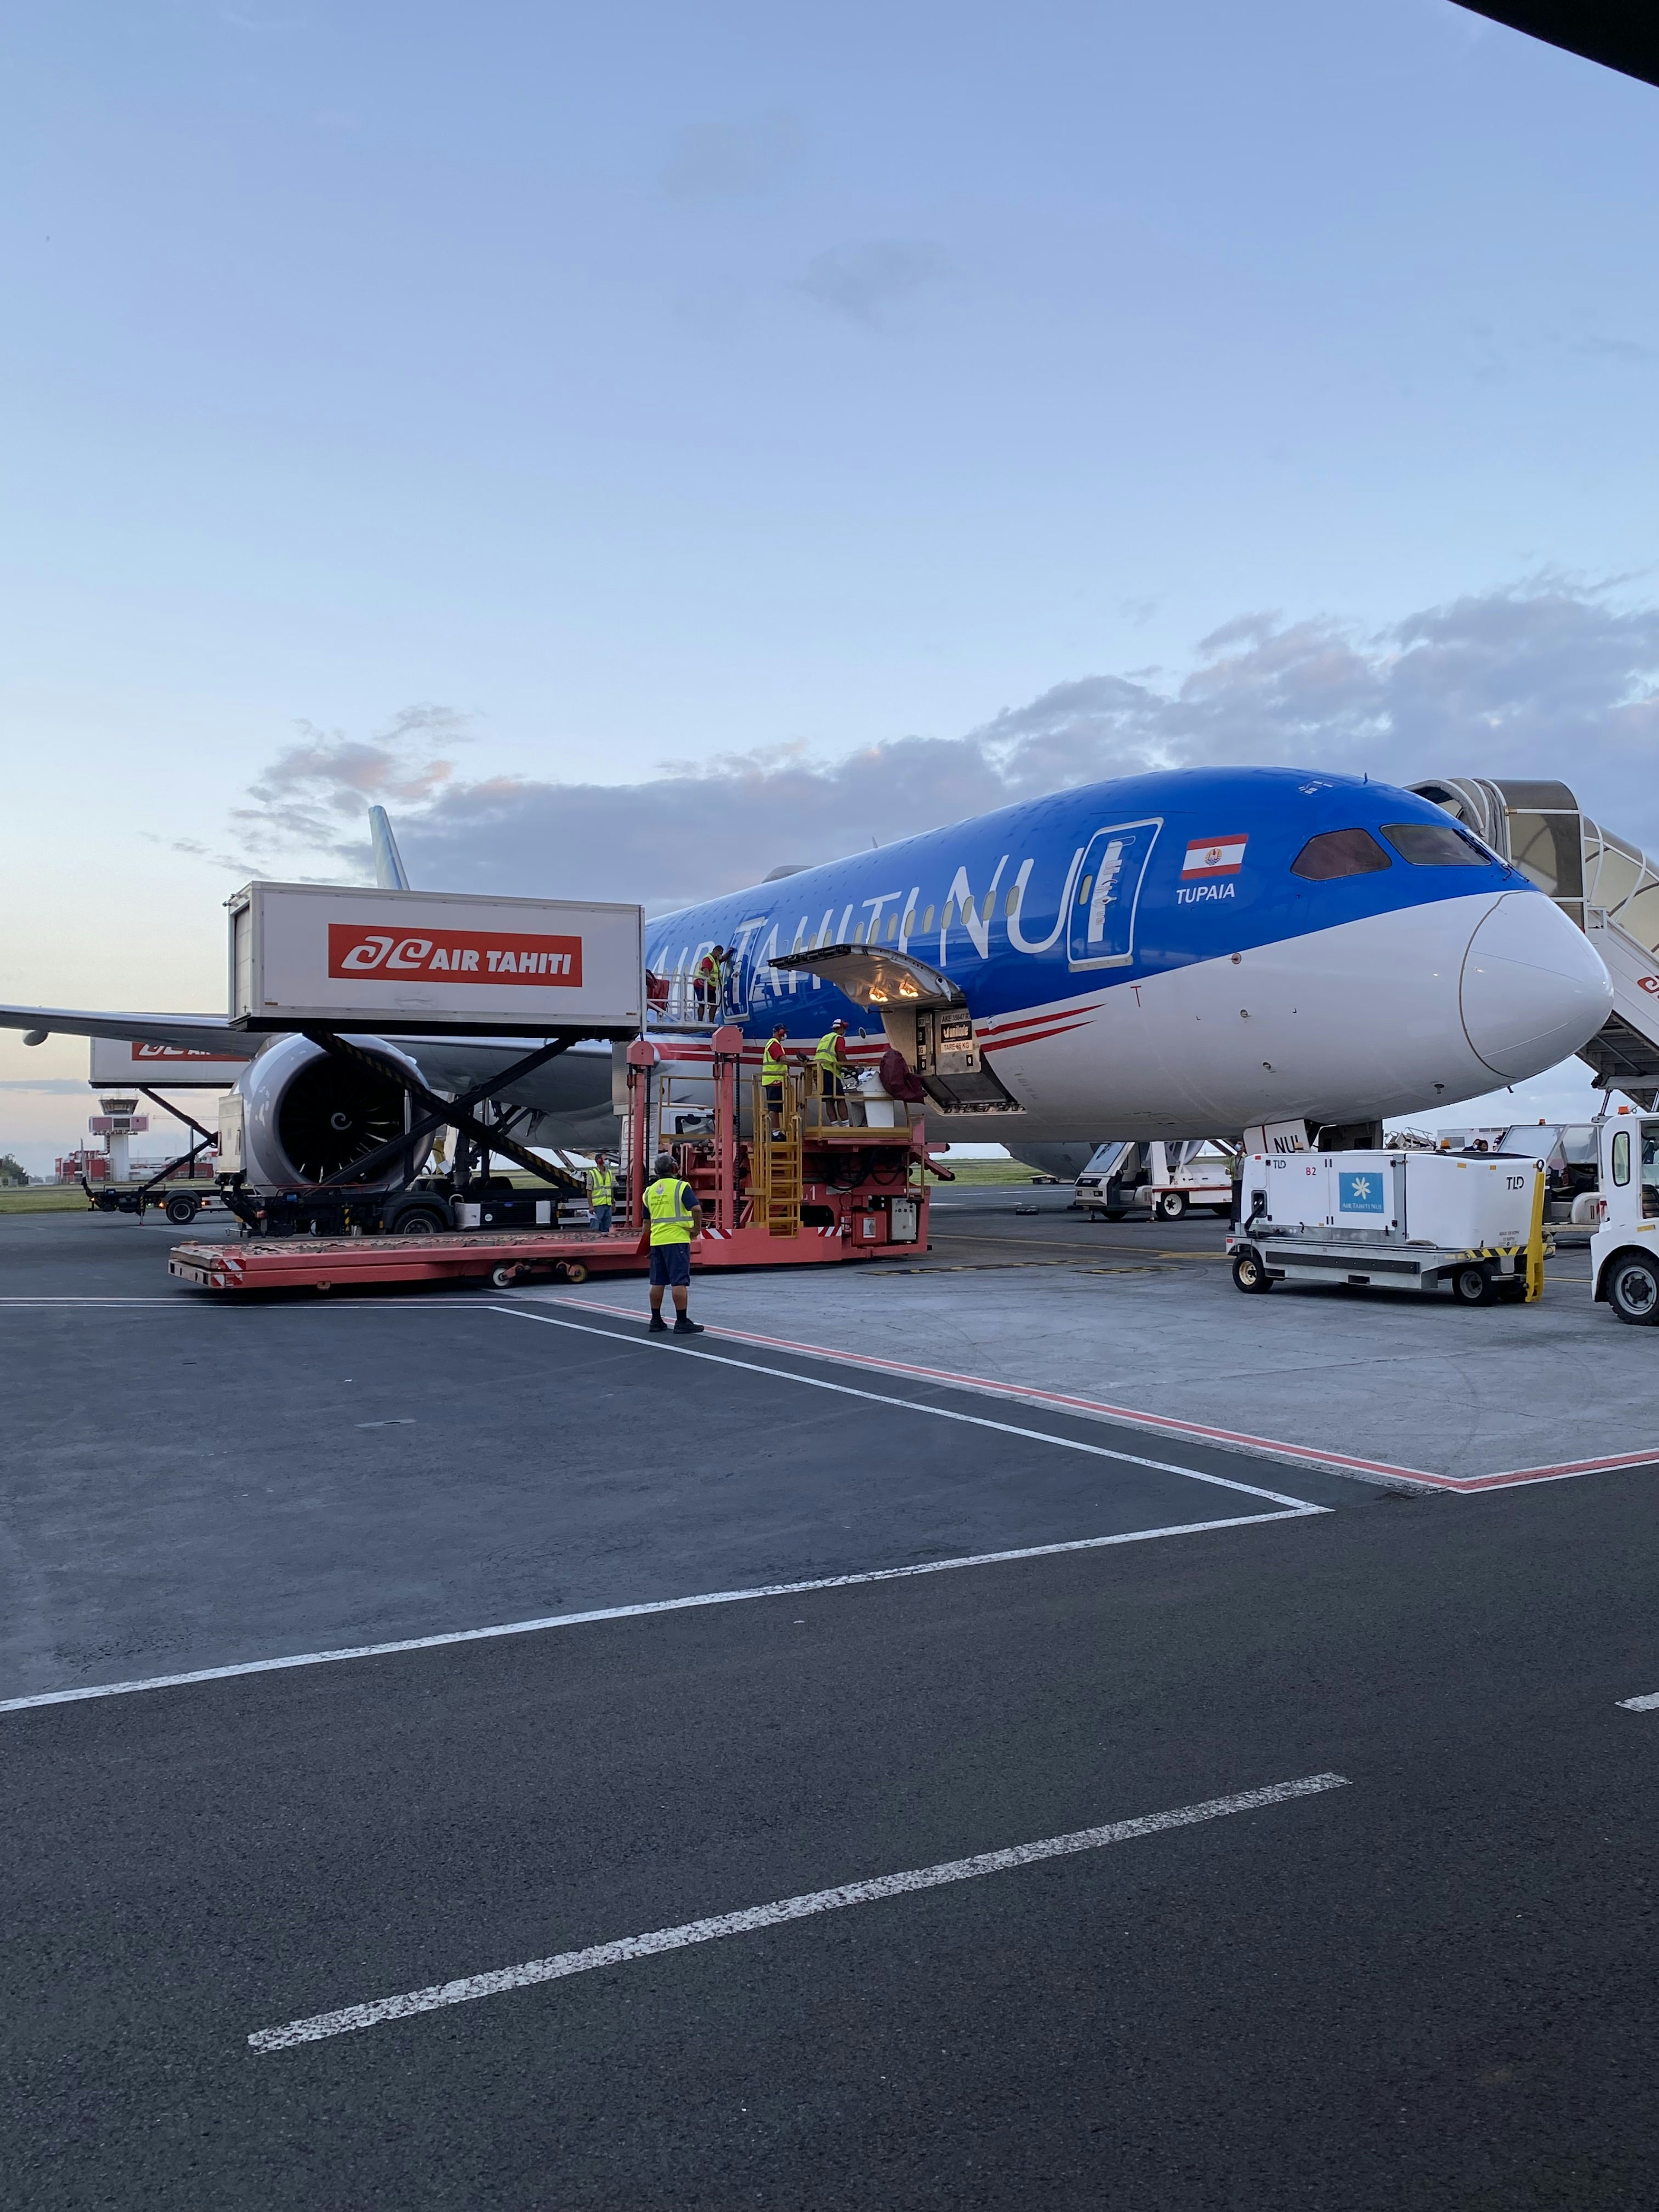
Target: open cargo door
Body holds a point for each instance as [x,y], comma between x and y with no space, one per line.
[924,1016]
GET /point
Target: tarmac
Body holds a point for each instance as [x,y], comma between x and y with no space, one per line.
[890,1751]
[1145,1321]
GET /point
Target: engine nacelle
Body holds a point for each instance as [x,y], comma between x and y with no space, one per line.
[307,1115]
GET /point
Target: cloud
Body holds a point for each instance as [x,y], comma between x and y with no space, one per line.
[863,281]
[327,778]
[1548,679]
[1625,349]
[732,160]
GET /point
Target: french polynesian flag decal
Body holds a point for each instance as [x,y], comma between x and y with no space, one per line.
[1214,856]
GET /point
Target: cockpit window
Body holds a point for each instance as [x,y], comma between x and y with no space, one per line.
[1340,853]
[1435,845]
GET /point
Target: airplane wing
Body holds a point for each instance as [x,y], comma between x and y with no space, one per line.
[194,1032]
[1620,35]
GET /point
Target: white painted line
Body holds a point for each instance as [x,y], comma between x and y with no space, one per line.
[656,1348]
[641,1612]
[1167,1425]
[178,1302]
[349,2018]
[182,1302]
[1648,1705]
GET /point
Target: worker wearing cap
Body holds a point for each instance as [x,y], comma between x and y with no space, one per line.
[774,1069]
[830,1060]
[673,1218]
[601,1192]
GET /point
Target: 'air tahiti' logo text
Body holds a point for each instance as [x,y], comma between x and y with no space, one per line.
[458,955]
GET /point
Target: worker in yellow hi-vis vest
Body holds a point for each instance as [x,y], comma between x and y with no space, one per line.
[774,1071]
[601,1192]
[830,1060]
[673,1218]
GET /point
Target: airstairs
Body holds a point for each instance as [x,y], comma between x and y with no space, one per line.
[1607,886]
[774,1163]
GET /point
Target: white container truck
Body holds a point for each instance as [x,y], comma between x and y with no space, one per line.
[1402,1221]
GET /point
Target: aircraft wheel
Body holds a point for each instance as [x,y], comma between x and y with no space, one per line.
[1171,1206]
[1633,1290]
[1249,1274]
[1473,1286]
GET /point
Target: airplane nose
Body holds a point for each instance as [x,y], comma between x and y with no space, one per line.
[1532,989]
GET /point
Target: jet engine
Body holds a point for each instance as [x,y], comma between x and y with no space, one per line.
[308,1114]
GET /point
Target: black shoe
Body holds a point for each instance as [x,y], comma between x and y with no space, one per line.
[685,1328]
[658,1325]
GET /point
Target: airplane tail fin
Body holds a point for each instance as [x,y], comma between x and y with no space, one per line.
[389,874]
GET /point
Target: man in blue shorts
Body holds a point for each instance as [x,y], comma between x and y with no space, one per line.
[673,1218]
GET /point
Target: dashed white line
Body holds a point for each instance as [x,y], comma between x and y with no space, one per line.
[1647,1705]
[349,2018]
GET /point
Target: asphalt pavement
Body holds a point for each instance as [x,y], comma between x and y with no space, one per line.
[1432,1986]
[1421,1978]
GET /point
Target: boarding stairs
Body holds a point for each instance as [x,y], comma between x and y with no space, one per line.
[1607,886]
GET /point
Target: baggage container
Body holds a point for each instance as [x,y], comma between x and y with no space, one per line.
[1395,1220]
[433,963]
[1457,1200]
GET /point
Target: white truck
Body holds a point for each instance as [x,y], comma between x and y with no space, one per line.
[1166,1178]
[1198,1171]
[1624,1247]
[1400,1220]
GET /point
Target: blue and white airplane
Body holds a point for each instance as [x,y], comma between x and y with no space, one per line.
[1205,950]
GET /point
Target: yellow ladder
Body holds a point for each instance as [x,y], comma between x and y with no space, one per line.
[774,1163]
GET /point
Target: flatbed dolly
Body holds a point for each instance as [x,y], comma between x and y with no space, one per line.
[823,1194]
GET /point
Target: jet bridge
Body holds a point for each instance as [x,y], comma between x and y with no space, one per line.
[1607,885]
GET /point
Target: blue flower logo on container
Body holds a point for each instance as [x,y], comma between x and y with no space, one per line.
[1359,1194]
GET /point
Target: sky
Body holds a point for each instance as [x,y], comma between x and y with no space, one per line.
[645,446]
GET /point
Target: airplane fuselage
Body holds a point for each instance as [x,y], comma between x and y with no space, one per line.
[1142,957]
[1162,956]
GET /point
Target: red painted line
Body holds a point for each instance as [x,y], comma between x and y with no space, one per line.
[1564,1473]
[1029,1032]
[1012,1043]
[1168,1424]
[1057,1014]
